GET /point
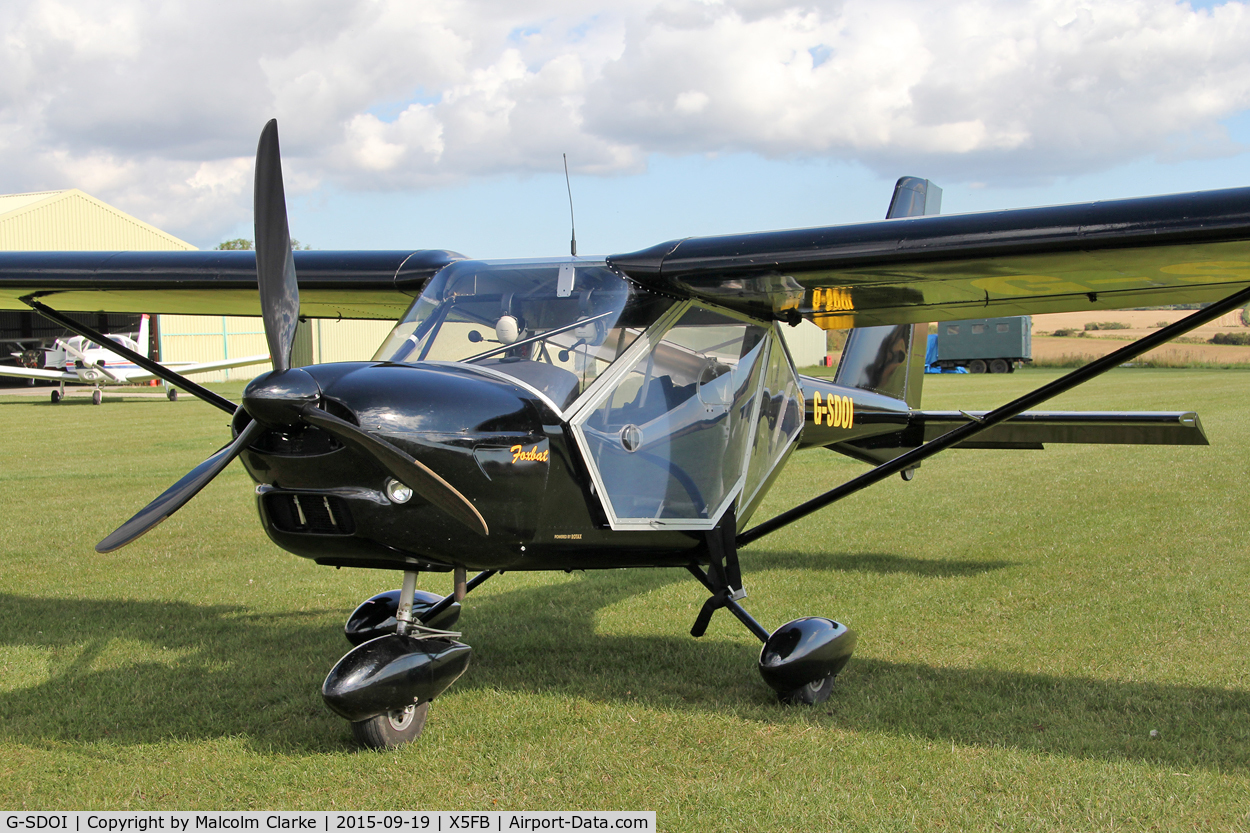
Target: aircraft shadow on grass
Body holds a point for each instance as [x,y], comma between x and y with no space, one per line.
[236,673]
[868,562]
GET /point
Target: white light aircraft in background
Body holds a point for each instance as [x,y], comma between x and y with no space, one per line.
[78,360]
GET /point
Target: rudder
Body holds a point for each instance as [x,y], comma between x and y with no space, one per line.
[889,360]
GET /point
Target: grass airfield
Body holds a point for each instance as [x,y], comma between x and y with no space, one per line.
[1025,618]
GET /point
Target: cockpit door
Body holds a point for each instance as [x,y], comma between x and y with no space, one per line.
[667,434]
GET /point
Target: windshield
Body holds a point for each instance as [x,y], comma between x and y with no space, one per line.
[555,325]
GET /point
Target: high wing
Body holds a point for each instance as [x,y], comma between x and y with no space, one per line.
[356,284]
[1182,248]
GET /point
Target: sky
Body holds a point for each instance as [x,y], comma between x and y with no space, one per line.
[444,123]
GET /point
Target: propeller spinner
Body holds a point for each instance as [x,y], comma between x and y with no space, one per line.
[288,396]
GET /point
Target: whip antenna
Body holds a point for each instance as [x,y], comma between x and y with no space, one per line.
[572,224]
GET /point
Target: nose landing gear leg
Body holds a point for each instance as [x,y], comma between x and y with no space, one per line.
[384,685]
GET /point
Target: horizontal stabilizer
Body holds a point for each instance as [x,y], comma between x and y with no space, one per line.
[1032,429]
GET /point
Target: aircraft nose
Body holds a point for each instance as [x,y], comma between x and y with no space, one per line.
[276,398]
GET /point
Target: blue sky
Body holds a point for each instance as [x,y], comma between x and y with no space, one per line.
[441,124]
[689,196]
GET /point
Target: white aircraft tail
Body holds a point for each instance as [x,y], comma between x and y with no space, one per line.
[144,339]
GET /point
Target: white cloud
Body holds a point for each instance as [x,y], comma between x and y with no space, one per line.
[156,106]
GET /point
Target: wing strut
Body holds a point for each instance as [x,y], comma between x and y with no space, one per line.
[976,425]
[155,368]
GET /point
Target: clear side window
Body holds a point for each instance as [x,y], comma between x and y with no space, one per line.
[779,422]
[670,438]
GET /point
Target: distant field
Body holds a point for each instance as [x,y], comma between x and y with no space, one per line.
[1070,351]
[1140,322]
[1025,619]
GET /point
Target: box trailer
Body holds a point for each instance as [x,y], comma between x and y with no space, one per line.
[994,345]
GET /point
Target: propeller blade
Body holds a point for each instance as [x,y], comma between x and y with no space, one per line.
[177,495]
[412,473]
[275,264]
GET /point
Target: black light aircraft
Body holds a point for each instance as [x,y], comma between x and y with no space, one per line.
[629,411]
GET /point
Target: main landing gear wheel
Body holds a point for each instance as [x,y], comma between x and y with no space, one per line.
[96,397]
[801,658]
[811,694]
[173,394]
[56,396]
[393,729]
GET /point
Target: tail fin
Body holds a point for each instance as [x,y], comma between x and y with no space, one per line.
[144,340]
[889,360]
[914,197]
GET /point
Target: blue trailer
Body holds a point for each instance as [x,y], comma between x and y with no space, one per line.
[994,345]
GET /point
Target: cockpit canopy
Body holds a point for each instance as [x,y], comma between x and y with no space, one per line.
[553,325]
[80,344]
[678,408]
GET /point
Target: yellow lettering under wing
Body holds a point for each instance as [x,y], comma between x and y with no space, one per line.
[1184,248]
[829,308]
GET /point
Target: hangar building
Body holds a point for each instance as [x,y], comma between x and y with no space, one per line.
[70,220]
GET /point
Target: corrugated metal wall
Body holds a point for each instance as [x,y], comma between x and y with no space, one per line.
[198,338]
[346,341]
[806,343]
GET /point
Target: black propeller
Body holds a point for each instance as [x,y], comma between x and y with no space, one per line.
[275,263]
[288,395]
[177,495]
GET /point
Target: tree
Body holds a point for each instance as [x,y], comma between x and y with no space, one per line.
[240,244]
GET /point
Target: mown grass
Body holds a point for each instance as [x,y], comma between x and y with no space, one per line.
[1025,618]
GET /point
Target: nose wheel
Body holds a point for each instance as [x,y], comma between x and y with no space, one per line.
[385,684]
[393,729]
